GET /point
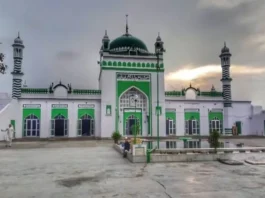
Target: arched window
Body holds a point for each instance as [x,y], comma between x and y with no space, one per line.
[32,126]
[192,126]
[216,124]
[170,127]
[86,126]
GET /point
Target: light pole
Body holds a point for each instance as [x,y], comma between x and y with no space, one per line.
[135,120]
[159,50]
[157,92]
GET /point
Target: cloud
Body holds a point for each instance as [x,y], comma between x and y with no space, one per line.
[67,55]
[221,4]
[189,73]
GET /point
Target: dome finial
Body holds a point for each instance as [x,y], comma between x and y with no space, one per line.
[224,44]
[127,28]
[106,33]
[18,35]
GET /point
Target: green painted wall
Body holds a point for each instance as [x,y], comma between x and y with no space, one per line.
[63,112]
[13,122]
[218,115]
[27,112]
[137,115]
[143,86]
[188,115]
[90,112]
[171,115]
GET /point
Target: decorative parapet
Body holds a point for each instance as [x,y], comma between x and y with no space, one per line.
[203,93]
[86,91]
[131,65]
[174,93]
[211,94]
[34,90]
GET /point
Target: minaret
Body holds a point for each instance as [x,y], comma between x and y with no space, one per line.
[17,73]
[159,45]
[226,83]
[105,42]
[226,79]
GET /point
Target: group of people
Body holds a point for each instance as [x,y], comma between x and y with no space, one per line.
[8,136]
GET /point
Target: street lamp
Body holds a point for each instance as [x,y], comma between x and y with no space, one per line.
[135,120]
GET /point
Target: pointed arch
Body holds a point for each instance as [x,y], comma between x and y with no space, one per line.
[126,100]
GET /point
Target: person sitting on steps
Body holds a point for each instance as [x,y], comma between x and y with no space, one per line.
[126,147]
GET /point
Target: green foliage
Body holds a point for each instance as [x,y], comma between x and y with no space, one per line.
[116,136]
[214,140]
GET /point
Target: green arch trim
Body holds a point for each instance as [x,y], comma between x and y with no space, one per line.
[82,112]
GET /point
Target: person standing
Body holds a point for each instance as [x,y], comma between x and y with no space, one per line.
[9,135]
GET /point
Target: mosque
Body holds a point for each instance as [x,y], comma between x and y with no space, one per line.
[131,91]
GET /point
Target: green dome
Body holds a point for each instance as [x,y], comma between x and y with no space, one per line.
[127,41]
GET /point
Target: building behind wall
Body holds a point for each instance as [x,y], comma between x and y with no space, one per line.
[131,91]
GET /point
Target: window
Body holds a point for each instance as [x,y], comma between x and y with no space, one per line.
[192,144]
[216,124]
[171,144]
[32,126]
[192,127]
[170,127]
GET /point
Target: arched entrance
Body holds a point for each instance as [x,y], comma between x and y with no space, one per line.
[86,126]
[59,126]
[32,126]
[133,112]
[130,122]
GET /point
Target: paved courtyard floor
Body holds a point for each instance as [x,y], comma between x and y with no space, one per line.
[97,170]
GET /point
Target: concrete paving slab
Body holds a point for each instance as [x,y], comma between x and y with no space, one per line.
[99,171]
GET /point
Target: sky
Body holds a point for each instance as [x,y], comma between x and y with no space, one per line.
[62,40]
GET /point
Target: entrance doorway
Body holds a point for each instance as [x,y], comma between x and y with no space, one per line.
[32,126]
[130,122]
[86,126]
[59,126]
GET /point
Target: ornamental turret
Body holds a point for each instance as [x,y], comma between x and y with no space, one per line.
[226,79]
[17,70]
[159,45]
[105,42]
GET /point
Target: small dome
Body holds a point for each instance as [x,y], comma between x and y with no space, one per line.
[225,49]
[18,40]
[127,41]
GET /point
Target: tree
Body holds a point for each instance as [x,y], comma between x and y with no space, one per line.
[214,140]
[3,67]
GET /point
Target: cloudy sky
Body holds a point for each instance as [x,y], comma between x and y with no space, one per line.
[63,37]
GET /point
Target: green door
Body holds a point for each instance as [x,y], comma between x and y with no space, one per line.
[239,127]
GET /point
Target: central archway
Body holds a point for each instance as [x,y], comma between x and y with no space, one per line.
[133,112]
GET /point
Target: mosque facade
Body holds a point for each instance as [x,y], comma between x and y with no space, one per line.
[131,92]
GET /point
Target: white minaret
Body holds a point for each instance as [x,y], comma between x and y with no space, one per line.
[17,73]
[226,84]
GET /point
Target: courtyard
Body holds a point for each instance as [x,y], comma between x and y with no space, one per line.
[94,169]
